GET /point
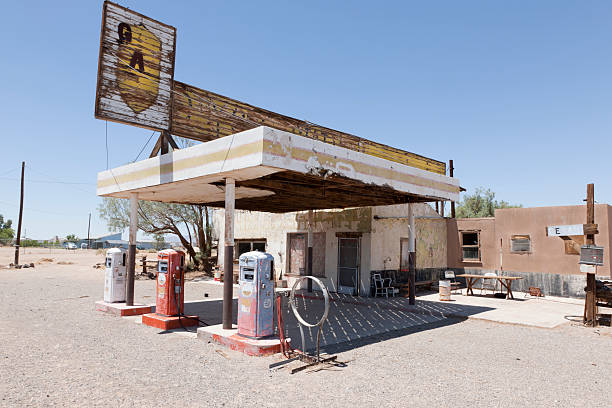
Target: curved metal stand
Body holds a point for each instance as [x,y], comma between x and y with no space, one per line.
[292,303]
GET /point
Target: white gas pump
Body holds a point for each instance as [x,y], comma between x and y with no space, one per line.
[114,281]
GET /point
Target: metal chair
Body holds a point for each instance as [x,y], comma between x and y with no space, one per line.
[382,286]
[488,284]
[450,276]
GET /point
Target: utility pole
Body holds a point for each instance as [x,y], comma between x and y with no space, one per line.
[18,242]
[590,301]
[88,228]
[451,170]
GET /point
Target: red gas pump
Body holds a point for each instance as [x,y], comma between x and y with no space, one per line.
[170,282]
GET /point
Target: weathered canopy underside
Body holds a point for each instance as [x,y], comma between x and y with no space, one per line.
[293,191]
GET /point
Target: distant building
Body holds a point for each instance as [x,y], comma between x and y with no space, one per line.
[119,240]
[515,241]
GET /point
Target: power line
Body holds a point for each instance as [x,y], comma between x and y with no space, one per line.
[47,181]
[9,171]
[41,211]
[70,184]
[143,147]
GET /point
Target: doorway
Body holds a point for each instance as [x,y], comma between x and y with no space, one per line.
[348,266]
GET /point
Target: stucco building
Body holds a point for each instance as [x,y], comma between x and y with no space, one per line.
[352,244]
[349,245]
[515,241]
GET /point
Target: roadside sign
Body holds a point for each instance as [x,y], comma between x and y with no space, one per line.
[565,230]
[135,69]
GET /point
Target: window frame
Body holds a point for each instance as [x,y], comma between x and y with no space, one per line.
[250,241]
[521,236]
[462,246]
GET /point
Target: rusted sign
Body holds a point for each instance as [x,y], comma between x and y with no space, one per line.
[203,115]
[136,86]
[135,69]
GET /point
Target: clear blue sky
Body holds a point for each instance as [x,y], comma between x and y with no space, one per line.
[517,93]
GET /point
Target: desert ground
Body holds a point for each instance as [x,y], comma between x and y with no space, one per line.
[57,350]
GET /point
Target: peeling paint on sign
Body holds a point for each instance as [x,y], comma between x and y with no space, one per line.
[135,69]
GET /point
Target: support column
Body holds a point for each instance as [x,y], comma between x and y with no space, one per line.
[451,170]
[309,253]
[228,254]
[411,257]
[131,266]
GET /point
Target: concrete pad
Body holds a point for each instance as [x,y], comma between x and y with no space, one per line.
[234,341]
[545,312]
[120,309]
[169,322]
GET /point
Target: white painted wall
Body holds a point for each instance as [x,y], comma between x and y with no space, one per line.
[379,240]
[386,233]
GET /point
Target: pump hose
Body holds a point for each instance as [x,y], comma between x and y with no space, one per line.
[180,314]
[286,348]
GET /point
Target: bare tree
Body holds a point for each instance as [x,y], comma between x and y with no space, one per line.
[190,223]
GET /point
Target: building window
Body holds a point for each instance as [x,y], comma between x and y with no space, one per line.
[470,246]
[248,245]
[520,244]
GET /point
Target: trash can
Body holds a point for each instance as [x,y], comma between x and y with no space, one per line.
[444,289]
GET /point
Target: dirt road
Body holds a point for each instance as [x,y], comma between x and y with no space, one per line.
[58,351]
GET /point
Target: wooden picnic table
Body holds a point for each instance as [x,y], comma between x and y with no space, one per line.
[505,281]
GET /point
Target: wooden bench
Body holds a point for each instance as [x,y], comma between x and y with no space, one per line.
[404,288]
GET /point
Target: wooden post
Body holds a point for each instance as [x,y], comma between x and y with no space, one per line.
[164,142]
[438,207]
[131,266]
[228,254]
[411,257]
[88,229]
[309,251]
[590,300]
[18,241]
[451,171]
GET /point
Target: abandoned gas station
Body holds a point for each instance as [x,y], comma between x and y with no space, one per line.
[352,204]
[250,158]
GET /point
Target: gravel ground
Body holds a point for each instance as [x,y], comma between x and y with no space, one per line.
[58,351]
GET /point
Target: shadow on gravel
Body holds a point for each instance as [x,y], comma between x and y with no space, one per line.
[352,322]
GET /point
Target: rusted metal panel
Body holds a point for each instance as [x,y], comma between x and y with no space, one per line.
[135,69]
[203,115]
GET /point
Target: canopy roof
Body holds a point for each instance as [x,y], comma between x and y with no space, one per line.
[275,171]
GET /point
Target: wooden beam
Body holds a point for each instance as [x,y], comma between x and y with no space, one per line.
[172,141]
[590,229]
[590,238]
[157,146]
[203,115]
[164,143]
